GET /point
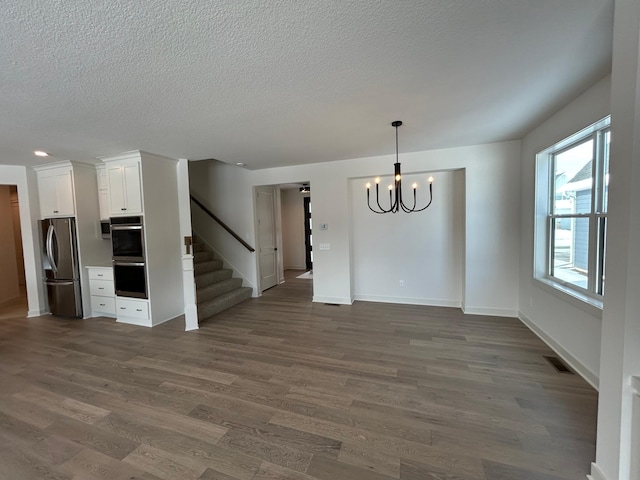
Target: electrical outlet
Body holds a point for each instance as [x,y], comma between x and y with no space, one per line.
[402,283]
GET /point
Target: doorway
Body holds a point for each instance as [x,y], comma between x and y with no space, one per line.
[13,297]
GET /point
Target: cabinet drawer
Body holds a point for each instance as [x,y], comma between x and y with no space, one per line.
[101,274]
[103,304]
[126,307]
[102,287]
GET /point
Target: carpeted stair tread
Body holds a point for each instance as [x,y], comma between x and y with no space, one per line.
[204,279]
[203,256]
[207,266]
[209,292]
[224,301]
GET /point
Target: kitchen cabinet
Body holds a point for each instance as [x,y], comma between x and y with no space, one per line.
[103,191]
[124,187]
[132,310]
[103,297]
[55,188]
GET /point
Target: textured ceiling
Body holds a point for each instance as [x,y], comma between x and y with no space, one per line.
[283,82]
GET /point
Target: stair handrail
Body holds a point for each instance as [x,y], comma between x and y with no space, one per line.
[222,224]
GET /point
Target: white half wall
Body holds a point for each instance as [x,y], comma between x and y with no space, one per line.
[491,216]
[570,330]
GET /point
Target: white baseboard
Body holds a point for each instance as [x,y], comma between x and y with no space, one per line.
[572,361]
[338,300]
[596,473]
[37,313]
[493,312]
[408,300]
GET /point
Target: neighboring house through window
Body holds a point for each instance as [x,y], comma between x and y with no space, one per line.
[571,212]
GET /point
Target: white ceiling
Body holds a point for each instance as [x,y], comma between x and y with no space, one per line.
[283,82]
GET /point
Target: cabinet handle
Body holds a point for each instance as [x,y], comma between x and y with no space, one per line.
[138,309]
[55,211]
[100,275]
[123,308]
[100,288]
[102,304]
[123,209]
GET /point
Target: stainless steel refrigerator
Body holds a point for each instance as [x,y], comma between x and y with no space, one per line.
[60,263]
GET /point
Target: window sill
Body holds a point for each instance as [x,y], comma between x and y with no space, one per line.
[589,304]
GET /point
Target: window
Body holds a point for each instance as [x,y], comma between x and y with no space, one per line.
[571,213]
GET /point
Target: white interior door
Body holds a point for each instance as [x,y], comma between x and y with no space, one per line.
[267,250]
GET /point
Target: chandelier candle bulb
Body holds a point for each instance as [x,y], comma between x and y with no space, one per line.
[396,203]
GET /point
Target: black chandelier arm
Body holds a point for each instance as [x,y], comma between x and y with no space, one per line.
[378,200]
[430,199]
[382,210]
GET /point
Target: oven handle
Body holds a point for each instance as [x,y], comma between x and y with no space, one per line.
[128,264]
[126,227]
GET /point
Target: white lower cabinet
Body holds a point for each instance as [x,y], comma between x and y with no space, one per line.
[133,310]
[103,297]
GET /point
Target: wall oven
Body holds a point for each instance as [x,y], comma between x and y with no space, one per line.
[127,239]
[130,279]
[129,270]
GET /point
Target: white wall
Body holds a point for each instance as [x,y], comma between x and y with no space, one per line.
[25,180]
[293,245]
[423,250]
[491,206]
[571,330]
[620,359]
[163,241]
[8,262]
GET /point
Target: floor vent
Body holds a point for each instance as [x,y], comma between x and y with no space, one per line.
[333,304]
[558,364]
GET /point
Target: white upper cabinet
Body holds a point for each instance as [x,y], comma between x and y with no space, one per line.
[125,192]
[103,191]
[55,188]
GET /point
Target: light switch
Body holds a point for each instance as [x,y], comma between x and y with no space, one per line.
[324,226]
[325,246]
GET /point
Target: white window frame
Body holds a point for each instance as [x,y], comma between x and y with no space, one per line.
[545,217]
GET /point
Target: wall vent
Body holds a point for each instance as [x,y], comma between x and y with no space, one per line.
[558,364]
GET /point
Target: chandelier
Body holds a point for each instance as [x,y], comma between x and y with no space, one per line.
[395,191]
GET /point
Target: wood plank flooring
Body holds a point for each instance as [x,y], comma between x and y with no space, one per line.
[281,388]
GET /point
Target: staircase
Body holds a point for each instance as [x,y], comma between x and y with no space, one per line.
[216,290]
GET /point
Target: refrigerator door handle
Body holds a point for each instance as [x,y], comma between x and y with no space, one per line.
[70,282]
[50,249]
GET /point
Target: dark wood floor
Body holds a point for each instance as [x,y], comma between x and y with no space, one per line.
[280,388]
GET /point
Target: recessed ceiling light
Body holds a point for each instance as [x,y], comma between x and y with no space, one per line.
[240,164]
[40,153]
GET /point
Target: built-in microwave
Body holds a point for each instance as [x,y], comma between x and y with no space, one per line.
[127,239]
[105,229]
